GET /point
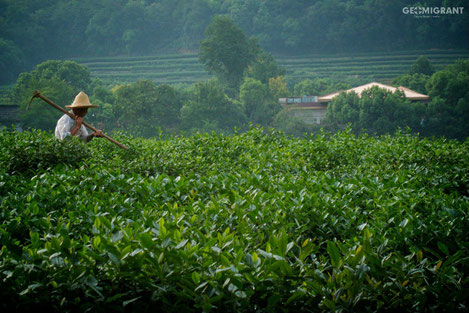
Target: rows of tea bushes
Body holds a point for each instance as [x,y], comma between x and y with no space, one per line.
[250,222]
[4,90]
[170,69]
[185,68]
[374,65]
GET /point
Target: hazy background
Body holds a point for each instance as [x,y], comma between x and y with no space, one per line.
[36,30]
[144,64]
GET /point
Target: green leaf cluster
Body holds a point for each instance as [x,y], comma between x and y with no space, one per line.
[28,152]
[253,221]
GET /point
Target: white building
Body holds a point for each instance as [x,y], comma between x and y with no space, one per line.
[312,109]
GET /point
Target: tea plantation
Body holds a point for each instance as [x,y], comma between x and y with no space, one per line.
[250,222]
[186,69]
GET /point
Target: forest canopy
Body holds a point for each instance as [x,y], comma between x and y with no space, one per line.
[36,30]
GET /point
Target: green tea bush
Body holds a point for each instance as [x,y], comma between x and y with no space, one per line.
[254,221]
[22,152]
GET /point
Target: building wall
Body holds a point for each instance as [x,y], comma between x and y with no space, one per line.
[309,116]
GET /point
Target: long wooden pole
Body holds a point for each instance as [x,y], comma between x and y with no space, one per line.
[37,94]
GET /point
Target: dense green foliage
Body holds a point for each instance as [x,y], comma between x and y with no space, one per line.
[247,222]
[259,103]
[29,152]
[41,30]
[448,111]
[422,66]
[416,82]
[320,86]
[144,108]
[211,109]
[378,111]
[227,51]
[59,80]
[11,61]
[248,85]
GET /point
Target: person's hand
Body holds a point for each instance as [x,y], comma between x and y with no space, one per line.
[98,133]
[78,121]
[77,125]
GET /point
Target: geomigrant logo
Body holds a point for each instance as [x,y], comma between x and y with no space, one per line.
[432,11]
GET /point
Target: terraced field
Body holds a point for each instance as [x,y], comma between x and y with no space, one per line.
[185,68]
[378,66]
[4,91]
[170,69]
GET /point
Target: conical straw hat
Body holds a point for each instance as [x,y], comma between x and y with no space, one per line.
[81,101]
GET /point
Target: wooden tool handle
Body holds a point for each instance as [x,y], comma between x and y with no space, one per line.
[37,94]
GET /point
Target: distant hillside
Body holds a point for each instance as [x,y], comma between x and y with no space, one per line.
[36,30]
[185,68]
[169,69]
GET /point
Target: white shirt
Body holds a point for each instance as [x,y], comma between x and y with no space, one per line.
[64,126]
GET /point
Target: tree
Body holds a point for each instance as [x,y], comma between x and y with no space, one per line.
[60,81]
[264,67]
[65,28]
[195,20]
[448,111]
[291,32]
[243,12]
[384,112]
[41,115]
[102,116]
[168,107]
[72,73]
[416,81]
[278,87]
[421,66]
[11,61]
[259,104]
[376,111]
[318,87]
[211,109]
[143,109]
[252,95]
[344,109]
[451,83]
[105,26]
[305,87]
[226,51]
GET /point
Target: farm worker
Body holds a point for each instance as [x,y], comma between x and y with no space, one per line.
[66,126]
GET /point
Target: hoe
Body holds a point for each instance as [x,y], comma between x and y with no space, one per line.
[37,94]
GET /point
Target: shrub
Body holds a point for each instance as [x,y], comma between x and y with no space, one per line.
[27,152]
[253,221]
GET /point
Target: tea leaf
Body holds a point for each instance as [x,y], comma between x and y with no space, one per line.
[146,240]
[443,248]
[196,278]
[182,244]
[334,253]
[127,302]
